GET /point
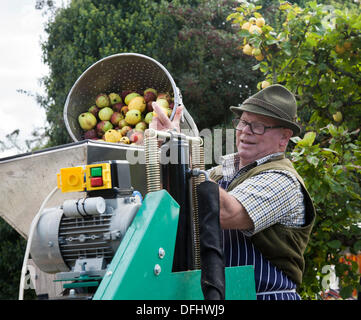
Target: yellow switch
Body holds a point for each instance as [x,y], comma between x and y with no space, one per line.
[71,179]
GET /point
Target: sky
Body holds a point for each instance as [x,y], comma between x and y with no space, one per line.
[21,67]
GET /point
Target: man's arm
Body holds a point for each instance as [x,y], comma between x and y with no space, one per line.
[232,214]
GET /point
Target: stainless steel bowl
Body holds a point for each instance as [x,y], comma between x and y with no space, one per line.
[123,71]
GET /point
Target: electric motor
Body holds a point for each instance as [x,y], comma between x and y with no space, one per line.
[84,234]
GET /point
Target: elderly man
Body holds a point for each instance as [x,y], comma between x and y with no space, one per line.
[266,212]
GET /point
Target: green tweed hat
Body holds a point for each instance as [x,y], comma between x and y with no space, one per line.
[276,102]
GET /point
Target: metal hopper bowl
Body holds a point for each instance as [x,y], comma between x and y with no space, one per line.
[123,71]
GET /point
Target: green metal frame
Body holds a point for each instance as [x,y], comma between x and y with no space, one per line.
[142,266]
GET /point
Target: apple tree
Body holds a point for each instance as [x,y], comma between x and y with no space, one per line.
[315,51]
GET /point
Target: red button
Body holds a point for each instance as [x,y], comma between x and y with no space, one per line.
[96,182]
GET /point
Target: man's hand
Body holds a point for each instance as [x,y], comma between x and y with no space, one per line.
[161,122]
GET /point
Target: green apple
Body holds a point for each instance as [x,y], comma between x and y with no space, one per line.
[163,103]
[114,98]
[148,117]
[130,96]
[133,117]
[105,113]
[102,100]
[87,121]
[140,126]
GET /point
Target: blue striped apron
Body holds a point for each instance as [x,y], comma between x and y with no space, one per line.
[271,283]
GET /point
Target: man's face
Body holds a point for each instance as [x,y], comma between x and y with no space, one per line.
[252,146]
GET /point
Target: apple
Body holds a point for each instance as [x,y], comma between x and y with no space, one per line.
[103,126]
[149,106]
[165,96]
[337,116]
[124,110]
[246,26]
[254,28]
[133,116]
[260,22]
[150,96]
[150,90]
[112,135]
[114,98]
[102,100]
[252,20]
[259,57]
[247,49]
[125,130]
[340,49]
[163,103]
[122,123]
[90,134]
[130,96]
[105,113]
[136,137]
[118,106]
[124,140]
[115,118]
[137,103]
[94,110]
[141,126]
[347,45]
[256,51]
[148,117]
[265,84]
[125,93]
[87,120]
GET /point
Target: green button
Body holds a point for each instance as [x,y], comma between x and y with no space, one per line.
[96,171]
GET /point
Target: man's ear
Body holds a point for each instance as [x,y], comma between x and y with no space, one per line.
[285,137]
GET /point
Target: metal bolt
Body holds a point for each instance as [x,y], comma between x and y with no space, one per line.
[109,273]
[50,244]
[157,269]
[161,253]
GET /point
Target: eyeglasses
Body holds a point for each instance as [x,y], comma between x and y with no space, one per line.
[256,127]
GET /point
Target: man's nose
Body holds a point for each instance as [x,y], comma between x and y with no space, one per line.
[247,129]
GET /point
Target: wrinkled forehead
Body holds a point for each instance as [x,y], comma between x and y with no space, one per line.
[254,117]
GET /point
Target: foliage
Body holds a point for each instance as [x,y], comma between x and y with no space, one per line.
[315,52]
[12,248]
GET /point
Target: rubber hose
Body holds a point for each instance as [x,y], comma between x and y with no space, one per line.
[211,242]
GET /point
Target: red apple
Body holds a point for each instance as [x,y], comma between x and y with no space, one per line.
[118,106]
[94,110]
[149,96]
[103,126]
[90,134]
[136,137]
[115,118]
[165,96]
[149,106]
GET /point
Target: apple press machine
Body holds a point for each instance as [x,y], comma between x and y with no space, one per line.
[109,221]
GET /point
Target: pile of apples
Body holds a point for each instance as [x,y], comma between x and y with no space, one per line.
[123,117]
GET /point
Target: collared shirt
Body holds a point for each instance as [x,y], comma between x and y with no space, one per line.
[273,196]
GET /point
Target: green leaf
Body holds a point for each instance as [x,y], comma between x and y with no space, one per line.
[313,160]
[357,245]
[334,244]
[346,292]
[307,140]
